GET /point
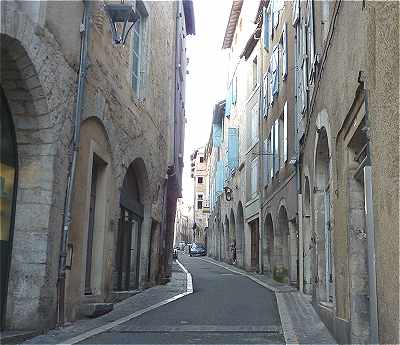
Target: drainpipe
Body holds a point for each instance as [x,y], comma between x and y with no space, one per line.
[370,225]
[298,178]
[261,160]
[72,167]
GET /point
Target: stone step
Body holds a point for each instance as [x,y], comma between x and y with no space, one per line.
[93,310]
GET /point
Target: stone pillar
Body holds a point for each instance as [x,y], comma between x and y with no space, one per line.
[293,253]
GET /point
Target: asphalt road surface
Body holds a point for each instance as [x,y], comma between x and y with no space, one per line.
[225,308]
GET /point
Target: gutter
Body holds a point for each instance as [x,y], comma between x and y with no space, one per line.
[84,29]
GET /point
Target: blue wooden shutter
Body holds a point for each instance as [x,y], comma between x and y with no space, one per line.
[233,148]
[220,177]
[266,29]
[217,134]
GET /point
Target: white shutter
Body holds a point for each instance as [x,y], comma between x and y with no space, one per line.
[285,134]
[276,146]
[284,52]
[296,12]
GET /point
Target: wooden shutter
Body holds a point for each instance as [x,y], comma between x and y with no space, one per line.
[233,149]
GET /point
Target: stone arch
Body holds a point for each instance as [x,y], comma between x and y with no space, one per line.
[232,237]
[281,247]
[240,243]
[308,244]
[91,213]
[269,243]
[323,216]
[39,111]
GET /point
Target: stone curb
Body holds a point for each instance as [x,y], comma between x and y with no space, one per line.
[179,286]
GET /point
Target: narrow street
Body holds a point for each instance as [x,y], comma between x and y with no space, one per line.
[224,308]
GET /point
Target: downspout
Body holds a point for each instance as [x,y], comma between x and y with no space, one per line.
[370,225]
[298,176]
[261,160]
[84,29]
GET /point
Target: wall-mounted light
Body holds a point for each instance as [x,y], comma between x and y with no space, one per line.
[121,15]
[228,193]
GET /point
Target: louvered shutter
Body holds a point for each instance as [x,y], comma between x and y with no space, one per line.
[276,146]
[233,149]
[266,28]
[216,134]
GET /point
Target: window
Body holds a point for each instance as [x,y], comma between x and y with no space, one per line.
[200,179]
[274,66]
[254,124]
[137,49]
[285,134]
[270,157]
[199,201]
[233,150]
[201,159]
[266,24]
[310,37]
[255,73]
[254,177]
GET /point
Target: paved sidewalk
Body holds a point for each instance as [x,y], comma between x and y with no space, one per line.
[300,322]
[143,300]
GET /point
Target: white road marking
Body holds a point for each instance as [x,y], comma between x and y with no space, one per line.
[110,325]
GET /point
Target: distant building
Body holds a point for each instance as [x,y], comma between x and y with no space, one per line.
[200,195]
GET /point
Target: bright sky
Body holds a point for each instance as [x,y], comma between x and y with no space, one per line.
[206,82]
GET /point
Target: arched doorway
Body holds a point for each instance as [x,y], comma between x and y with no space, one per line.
[240,245]
[269,243]
[132,210]
[8,189]
[232,238]
[322,211]
[308,245]
[226,240]
[281,264]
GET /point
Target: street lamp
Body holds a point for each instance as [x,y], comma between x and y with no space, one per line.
[121,14]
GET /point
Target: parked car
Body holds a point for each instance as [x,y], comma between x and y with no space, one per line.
[197,250]
[175,253]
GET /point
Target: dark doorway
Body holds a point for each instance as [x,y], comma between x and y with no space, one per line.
[254,245]
[8,189]
[129,233]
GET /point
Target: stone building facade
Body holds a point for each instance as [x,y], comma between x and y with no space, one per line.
[128,163]
[311,206]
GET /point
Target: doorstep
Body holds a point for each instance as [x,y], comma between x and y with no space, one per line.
[16,337]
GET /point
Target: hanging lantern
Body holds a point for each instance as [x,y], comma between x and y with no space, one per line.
[122,17]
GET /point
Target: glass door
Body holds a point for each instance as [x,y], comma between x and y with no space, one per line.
[8,187]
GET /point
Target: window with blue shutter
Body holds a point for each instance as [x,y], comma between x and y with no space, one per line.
[274,65]
[228,102]
[220,178]
[233,149]
[216,134]
[266,28]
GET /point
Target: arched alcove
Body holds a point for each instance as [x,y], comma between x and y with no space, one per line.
[269,243]
[308,245]
[240,244]
[322,212]
[281,248]
[232,237]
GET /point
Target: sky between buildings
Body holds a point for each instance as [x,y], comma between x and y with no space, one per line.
[206,82]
